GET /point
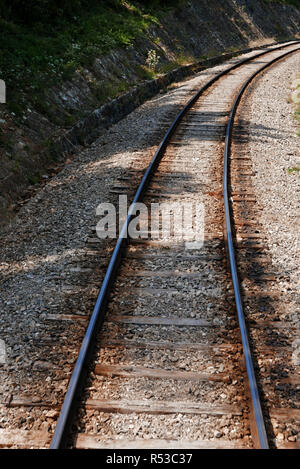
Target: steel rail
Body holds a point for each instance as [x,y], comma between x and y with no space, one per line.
[64,423]
[256,404]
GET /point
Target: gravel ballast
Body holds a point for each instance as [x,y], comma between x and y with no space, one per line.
[47,268]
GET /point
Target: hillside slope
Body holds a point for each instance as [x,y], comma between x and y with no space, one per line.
[37,115]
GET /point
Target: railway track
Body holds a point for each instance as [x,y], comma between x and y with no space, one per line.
[172,366]
[169,368]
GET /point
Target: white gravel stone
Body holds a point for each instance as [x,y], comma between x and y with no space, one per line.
[2,352]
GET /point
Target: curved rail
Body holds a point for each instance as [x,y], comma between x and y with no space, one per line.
[256,405]
[62,430]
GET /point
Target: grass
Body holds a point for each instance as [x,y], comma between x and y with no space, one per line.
[181,59]
[297,117]
[144,72]
[37,57]
[109,89]
[33,179]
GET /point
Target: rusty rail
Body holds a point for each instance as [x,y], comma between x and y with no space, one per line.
[62,431]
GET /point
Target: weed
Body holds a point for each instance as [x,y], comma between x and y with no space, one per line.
[212,53]
[144,73]
[36,56]
[152,59]
[297,116]
[181,60]
[109,90]
[167,67]
[33,179]
[294,98]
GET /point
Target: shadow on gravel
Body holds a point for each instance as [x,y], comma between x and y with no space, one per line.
[42,344]
[263,298]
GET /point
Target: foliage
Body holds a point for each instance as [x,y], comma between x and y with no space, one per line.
[152,59]
[45,41]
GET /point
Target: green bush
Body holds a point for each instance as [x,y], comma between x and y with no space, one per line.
[43,42]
